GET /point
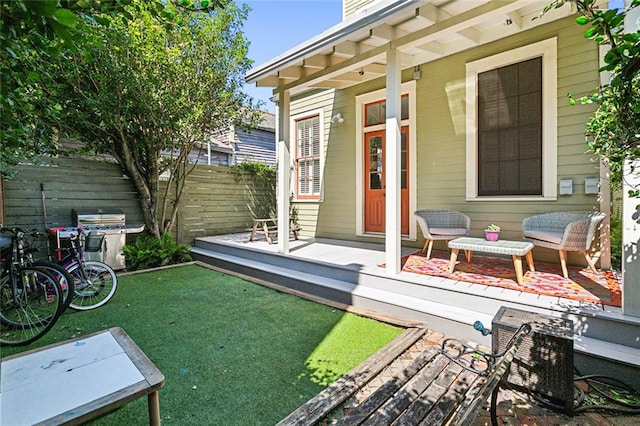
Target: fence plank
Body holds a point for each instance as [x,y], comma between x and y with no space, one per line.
[215,201]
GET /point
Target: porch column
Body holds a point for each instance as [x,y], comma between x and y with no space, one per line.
[631,216]
[284,172]
[392,164]
[630,245]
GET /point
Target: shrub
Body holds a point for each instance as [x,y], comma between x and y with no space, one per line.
[152,252]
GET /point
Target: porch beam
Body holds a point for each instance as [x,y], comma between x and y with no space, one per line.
[454,24]
[516,19]
[457,23]
[284,174]
[292,72]
[392,164]
[428,12]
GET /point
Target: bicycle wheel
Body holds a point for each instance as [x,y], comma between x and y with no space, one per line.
[61,274]
[30,307]
[95,283]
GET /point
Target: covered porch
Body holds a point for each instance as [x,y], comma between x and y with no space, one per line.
[352,275]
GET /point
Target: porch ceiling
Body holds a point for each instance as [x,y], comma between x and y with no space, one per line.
[354,51]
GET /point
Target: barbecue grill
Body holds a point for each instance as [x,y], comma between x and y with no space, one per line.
[111,224]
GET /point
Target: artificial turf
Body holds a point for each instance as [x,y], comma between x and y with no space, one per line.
[232,352]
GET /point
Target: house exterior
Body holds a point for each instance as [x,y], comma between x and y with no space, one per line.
[237,145]
[414,104]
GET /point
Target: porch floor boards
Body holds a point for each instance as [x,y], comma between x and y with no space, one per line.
[366,257]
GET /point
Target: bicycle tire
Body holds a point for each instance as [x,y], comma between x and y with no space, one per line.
[31,313]
[64,277]
[100,288]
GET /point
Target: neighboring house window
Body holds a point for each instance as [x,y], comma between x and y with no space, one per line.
[512,124]
[307,158]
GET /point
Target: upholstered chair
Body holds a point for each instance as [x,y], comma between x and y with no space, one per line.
[441,225]
[564,231]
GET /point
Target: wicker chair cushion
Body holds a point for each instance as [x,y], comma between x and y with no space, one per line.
[552,237]
[448,231]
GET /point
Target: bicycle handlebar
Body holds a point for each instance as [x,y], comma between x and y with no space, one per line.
[19,232]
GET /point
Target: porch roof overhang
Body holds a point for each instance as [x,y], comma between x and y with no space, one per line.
[354,51]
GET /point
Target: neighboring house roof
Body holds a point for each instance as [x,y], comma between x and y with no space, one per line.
[354,51]
[237,144]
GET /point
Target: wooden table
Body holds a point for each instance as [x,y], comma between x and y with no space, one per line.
[516,249]
[269,226]
[77,380]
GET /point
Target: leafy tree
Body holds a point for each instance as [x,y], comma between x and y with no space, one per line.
[614,128]
[32,34]
[149,89]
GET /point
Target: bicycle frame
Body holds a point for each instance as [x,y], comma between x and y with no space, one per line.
[75,255]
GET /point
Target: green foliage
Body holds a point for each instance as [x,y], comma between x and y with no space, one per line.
[614,129]
[144,81]
[148,92]
[493,227]
[33,34]
[255,169]
[152,252]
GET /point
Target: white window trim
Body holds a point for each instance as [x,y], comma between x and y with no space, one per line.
[548,50]
[294,174]
[409,88]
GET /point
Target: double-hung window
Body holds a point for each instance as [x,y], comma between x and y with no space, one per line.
[307,157]
[512,124]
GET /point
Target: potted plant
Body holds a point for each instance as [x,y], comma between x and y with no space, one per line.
[492,233]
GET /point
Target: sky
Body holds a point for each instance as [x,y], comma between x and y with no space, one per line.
[275,26]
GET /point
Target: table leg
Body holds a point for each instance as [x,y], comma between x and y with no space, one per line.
[469,255]
[265,226]
[153,400]
[253,231]
[452,262]
[517,264]
[529,257]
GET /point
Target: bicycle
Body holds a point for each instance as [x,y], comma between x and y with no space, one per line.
[31,298]
[95,282]
[61,274]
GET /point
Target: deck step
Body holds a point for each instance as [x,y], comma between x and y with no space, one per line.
[442,317]
[607,350]
[597,350]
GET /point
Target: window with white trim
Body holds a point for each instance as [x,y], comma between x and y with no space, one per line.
[307,158]
[512,124]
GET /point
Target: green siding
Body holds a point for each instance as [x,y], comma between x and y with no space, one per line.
[441,143]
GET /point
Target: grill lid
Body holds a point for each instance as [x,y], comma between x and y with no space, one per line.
[97,216]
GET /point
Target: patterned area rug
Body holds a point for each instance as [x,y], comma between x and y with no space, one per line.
[582,284]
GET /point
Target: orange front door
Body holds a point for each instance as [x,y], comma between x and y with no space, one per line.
[374,182]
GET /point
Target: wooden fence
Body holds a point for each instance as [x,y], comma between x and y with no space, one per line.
[215,201]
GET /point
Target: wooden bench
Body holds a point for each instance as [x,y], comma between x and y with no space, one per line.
[268,227]
[443,385]
[78,380]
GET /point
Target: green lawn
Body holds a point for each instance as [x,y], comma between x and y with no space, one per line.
[232,352]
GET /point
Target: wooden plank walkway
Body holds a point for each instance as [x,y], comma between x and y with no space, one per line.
[410,382]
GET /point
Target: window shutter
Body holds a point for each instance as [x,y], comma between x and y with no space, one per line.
[510,130]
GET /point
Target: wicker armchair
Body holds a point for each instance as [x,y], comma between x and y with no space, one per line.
[441,225]
[564,231]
